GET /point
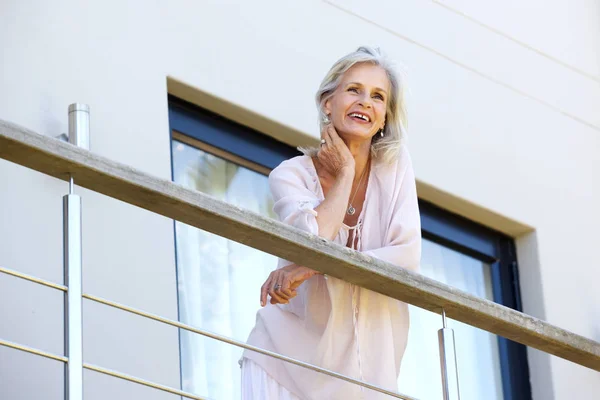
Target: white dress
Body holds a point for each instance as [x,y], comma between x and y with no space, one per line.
[258,385]
[332,323]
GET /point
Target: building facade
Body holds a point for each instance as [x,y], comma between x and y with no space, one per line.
[504,131]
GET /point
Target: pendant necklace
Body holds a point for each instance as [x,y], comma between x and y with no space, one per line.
[351,210]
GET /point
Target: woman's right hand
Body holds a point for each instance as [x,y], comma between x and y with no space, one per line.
[282,283]
[334,155]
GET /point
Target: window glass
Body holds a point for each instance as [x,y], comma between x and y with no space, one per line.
[218,279]
[477,350]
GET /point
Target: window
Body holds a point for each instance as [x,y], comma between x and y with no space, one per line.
[219,280]
[482,262]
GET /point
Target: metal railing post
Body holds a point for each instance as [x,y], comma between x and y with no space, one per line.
[79,123]
[448,364]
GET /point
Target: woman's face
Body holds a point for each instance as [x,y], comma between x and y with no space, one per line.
[358,106]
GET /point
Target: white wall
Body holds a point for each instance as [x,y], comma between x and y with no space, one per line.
[512,130]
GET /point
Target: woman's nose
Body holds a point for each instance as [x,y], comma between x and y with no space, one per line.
[365,101]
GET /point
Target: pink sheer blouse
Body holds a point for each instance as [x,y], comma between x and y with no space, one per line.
[332,323]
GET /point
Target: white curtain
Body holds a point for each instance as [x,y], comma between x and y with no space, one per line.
[476,350]
[218,279]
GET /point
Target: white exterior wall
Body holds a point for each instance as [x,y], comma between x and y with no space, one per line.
[504,134]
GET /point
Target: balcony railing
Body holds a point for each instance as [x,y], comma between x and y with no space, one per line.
[66,161]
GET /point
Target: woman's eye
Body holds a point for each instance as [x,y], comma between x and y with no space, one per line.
[378,96]
[355,90]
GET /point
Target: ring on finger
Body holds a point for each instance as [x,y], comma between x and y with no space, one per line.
[277,286]
[322,142]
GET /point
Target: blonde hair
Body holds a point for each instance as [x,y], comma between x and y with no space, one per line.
[387,148]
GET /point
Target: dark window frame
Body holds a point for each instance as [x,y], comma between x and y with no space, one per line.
[438,225]
[226,135]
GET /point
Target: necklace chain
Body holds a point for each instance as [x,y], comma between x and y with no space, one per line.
[351,210]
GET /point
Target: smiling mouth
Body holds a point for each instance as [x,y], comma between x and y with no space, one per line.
[360,117]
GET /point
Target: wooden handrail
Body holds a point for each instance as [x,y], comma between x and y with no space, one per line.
[58,159]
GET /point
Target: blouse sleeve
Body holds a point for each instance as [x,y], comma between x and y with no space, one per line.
[403,238]
[294,202]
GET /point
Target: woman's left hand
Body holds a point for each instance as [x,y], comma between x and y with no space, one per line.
[282,283]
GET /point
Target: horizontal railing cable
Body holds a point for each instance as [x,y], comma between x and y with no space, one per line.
[32,350]
[122,182]
[182,326]
[102,370]
[144,382]
[237,343]
[188,328]
[33,279]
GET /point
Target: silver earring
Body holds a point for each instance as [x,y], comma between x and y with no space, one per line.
[326,119]
[381,132]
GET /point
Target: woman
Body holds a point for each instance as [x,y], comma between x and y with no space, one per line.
[357,189]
